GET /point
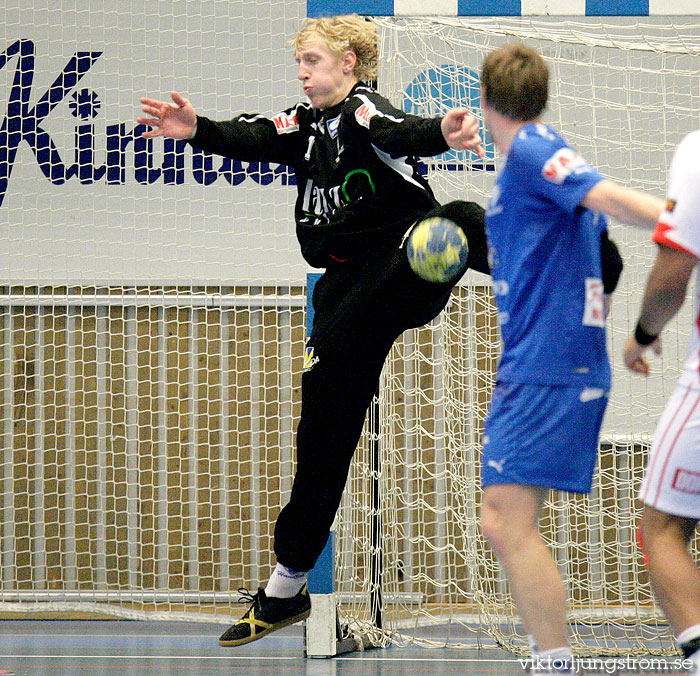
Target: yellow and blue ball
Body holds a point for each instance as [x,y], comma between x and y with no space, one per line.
[437,250]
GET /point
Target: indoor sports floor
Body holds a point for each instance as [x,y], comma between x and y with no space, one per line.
[132,648]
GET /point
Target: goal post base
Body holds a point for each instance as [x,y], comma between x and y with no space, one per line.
[325,637]
[322,638]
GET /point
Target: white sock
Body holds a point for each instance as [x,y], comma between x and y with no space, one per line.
[531,642]
[688,640]
[285,582]
[688,634]
[553,661]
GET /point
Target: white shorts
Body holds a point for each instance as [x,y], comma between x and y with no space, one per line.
[672,478]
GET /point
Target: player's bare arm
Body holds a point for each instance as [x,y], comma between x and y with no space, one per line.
[625,205]
[461,131]
[664,295]
[172,120]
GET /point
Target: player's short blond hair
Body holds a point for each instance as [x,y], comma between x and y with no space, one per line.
[346,33]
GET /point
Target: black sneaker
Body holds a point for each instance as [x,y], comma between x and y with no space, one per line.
[266,615]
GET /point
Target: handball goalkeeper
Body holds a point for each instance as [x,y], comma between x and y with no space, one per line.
[359,193]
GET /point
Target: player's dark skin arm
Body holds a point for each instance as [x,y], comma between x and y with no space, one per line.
[663,297]
[666,288]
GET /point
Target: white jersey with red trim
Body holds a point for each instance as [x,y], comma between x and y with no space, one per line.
[679,228]
[672,478]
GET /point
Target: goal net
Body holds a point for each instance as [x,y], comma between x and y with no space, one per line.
[624,92]
[152,324]
[152,311]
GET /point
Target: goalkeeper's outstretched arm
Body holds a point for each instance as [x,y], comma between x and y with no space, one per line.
[172,120]
[461,131]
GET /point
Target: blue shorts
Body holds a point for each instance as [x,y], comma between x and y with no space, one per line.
[542,435]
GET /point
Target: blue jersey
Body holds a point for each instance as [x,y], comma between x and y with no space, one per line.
[546,264]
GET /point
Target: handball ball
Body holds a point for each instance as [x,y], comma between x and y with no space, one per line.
[437,249]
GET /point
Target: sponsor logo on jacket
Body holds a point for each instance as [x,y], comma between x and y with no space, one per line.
[285,123]
[365,113]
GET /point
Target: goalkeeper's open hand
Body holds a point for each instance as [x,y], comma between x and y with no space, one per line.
[172,120]
[461,131]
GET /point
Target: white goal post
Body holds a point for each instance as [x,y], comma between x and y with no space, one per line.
[152,325]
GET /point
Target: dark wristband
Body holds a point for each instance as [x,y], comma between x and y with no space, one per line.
[642,337]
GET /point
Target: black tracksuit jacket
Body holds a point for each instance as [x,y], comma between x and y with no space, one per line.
[358,187]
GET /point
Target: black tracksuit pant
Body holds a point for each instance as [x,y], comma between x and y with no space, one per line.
[360,309]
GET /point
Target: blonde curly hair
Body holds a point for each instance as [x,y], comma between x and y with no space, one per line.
[346,33]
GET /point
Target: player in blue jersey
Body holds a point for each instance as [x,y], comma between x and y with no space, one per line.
[544,223]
